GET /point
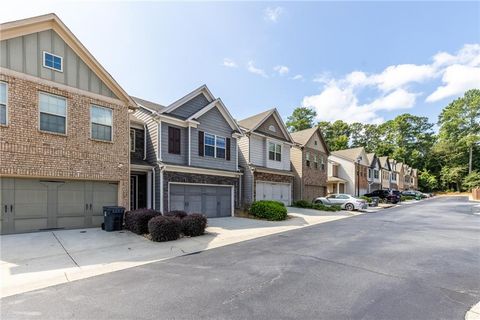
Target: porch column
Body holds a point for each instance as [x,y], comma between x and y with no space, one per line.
[338,187]
[149,190]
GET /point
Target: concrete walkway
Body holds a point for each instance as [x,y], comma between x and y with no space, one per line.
[37,260]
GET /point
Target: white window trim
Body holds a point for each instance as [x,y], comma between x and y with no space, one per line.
[132,144]
[57,56]
[214,145]
[268,151]
[66,113]
[6,104]
[91,122]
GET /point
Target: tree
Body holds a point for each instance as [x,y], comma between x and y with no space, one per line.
[336,134]
[301,119]
[427,181]
[472,180]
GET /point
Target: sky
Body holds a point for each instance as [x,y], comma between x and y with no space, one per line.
[353,61]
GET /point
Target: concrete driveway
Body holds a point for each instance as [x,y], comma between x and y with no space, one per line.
[38,260]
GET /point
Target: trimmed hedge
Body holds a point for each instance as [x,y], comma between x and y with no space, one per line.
[270,210]
[368,199]
[177,214]
[194,225]
[162,228]
[302,204]
[137,220]
[316,206]
[405,198]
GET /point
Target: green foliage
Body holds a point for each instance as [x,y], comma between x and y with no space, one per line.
[472,181]
[336,134]
[427,181]
[270,210]
[368,199]
[302,204]
[405,198]
[301,119]
[316,206]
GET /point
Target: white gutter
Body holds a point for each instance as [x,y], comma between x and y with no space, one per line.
[153,182]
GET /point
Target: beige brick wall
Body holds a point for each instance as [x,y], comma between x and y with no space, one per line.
[25,151]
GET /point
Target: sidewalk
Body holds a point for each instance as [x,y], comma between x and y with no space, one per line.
[38,260]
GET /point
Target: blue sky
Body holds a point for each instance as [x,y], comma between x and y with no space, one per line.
[355,61]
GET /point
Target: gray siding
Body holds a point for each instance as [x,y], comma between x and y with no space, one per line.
[181,158]
[191,107]
[151,136]
[25,54]
[213,122]
[247,183]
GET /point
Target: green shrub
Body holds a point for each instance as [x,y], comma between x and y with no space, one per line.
[302,204]
[270,210]
[368,199]
[405,198]
[323,207]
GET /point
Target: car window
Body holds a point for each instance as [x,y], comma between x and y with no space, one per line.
[342,196]
[332,196]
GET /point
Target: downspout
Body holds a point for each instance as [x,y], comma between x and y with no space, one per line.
[189,145]
[161,188]
[153,182]
[144,141]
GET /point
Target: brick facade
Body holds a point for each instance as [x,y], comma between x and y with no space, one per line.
[169,176]
[314,176]
[27,152]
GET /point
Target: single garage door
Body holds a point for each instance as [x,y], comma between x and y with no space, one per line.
[212,201]
[33,204]
[273,191]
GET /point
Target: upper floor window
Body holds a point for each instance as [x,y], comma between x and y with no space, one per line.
[369,173]
[132,140]
[322,163]
[52,61]
[274,151]
[53,113]
[272,128]
[101,122]
[375,174]
[174,140]
[3,103]
[307,158]
[315,142]
[215,146]
[315,161]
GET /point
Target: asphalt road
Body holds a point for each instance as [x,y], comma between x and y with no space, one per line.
[420,261]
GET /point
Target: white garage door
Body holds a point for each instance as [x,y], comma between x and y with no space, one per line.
[273,191]
[33,204]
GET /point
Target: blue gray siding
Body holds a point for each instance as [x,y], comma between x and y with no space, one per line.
[213,122]
[190,107]
[243,160]
[25,54]
[181,158]
[151,136]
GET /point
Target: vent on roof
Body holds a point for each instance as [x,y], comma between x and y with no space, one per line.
[272,128]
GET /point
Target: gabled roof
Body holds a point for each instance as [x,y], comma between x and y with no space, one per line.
[370,157]
[303,136]
[384,161]
[350,154]
[149,105]
[223,110]
[202,89]
[253,122]
[50,21]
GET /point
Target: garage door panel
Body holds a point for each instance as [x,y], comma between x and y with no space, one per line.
[25,225]
[273,191]
[71,199]
[72,222]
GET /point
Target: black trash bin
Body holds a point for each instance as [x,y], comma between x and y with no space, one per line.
[374,202]
[113,218]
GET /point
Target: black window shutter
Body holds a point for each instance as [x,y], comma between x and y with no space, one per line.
[177,141]
[170,140]
[228,148]
[200,143]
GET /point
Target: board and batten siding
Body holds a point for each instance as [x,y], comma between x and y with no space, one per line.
[182,158]
[190,107]
[25,54]
[213,122]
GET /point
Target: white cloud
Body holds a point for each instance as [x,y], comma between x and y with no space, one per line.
[281,69]
[229,63]
[297,77]
[392,87]
[272,14]
[457,79]
[251,68]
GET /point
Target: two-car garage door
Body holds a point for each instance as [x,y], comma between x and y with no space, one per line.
[33,204]
[273,191]
[210,200]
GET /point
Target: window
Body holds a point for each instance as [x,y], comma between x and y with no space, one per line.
[369,173]
[220,147]
[209,145]
[307,158]
[53,113]
[272,128]
[132,140]
[375,174]
[52,61]
[315,161]
[315,142]
[3,103]
[274,151]
[101,122]
[174,140]
[322,163]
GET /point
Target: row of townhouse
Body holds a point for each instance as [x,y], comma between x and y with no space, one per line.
[72,141]
[356,172]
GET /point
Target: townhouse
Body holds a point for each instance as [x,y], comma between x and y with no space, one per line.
[348,170]
[191,155]
[385,172]
[265,158]
[374,170]
[393,174]
[309,158]
[64,130]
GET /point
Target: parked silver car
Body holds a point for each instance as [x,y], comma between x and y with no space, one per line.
[345,201]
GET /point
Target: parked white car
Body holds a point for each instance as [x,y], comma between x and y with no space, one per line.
[345,201]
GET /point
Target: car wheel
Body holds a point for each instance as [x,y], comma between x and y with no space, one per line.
[349,207]
[318,202]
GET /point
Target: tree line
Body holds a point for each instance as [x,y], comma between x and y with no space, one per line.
[447,160]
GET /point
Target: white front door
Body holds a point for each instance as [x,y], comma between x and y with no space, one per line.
[273,191]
